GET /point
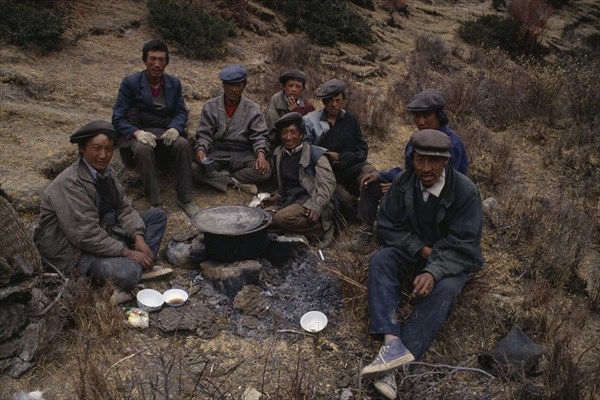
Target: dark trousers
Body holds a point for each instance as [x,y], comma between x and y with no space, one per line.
[124,272]
[369,203]
[145,160]
[388,269]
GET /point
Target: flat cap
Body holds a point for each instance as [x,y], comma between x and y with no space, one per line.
[292,74]
[427,100]
[233,74]
[92,129]
[430,142]
[331,88]
[288,119]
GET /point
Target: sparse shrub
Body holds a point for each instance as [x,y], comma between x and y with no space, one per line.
[532,17]
[325,22]
[433,51]
[31,27]
[199,34]
[371,109]
[497,31]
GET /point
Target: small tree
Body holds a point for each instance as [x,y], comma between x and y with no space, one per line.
[532,16]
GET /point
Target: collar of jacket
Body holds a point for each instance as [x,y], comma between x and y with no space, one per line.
[85,173]
[324,115]
[407,183]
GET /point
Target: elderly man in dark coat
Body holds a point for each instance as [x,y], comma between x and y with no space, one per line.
[87,223]
[150,117]
[430,223]
[233,134]
[339,132]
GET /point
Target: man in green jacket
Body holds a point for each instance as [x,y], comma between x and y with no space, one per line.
[430,223]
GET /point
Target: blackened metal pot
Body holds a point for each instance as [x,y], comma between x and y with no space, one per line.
[233,233]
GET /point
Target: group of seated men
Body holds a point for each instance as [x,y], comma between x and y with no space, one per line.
[430,216]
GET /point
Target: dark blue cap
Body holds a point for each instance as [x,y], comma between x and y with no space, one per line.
[331,88]
[92,129]
[233,74]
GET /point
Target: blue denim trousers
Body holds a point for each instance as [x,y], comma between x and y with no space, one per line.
[389,268]
[124,272]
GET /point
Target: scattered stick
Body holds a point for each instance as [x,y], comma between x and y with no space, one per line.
[294,331]
[122,359]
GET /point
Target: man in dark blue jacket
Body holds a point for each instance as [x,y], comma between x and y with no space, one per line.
[430,223]
[150,119]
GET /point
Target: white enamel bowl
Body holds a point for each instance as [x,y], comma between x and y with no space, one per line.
[313,321]
[150,300]
[175,297]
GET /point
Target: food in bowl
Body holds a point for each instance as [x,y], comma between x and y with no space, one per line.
[175,297]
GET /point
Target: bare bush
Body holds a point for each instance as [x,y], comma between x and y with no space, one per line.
[434,52]
[532,16]
[549,236]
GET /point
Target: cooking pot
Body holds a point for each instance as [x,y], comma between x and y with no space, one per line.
[233,233]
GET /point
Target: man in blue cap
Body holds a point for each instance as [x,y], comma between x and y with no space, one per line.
[233,133]
[88,224]
[150,117]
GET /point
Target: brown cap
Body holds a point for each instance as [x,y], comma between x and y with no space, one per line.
[331,88]
[295,74]
[430,142]
[92,129]
[427,100]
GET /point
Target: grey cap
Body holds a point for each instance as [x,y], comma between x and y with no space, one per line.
[331,88]
[427,100]
[288,119]
[233,74]
[92,129]
[292,74]
[430,142]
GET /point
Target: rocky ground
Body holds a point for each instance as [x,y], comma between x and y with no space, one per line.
[45,98]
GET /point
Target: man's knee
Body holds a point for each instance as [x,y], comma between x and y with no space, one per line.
[142,152]
[154,215]
[122,271]
[450,286]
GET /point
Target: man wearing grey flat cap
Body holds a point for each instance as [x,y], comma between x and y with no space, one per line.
[88,224]
[427,111]
[234,135]
[288,99]
[150,117]
[339,132]
[430,223]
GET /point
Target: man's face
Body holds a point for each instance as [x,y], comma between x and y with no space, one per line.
[156,62]
[334,105]
[233,92]
[291,137]
[425,120]
[293,89]
[429,168]
[98,152]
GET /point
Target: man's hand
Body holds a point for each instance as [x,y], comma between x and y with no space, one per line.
[170,136]
[423,285]
[145,137]
[142,253]
[385,187]
[369,178]
[262,165]
[270,201]
[311,215]
[334,157]
[425,252]
[291,104]
[200,155]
